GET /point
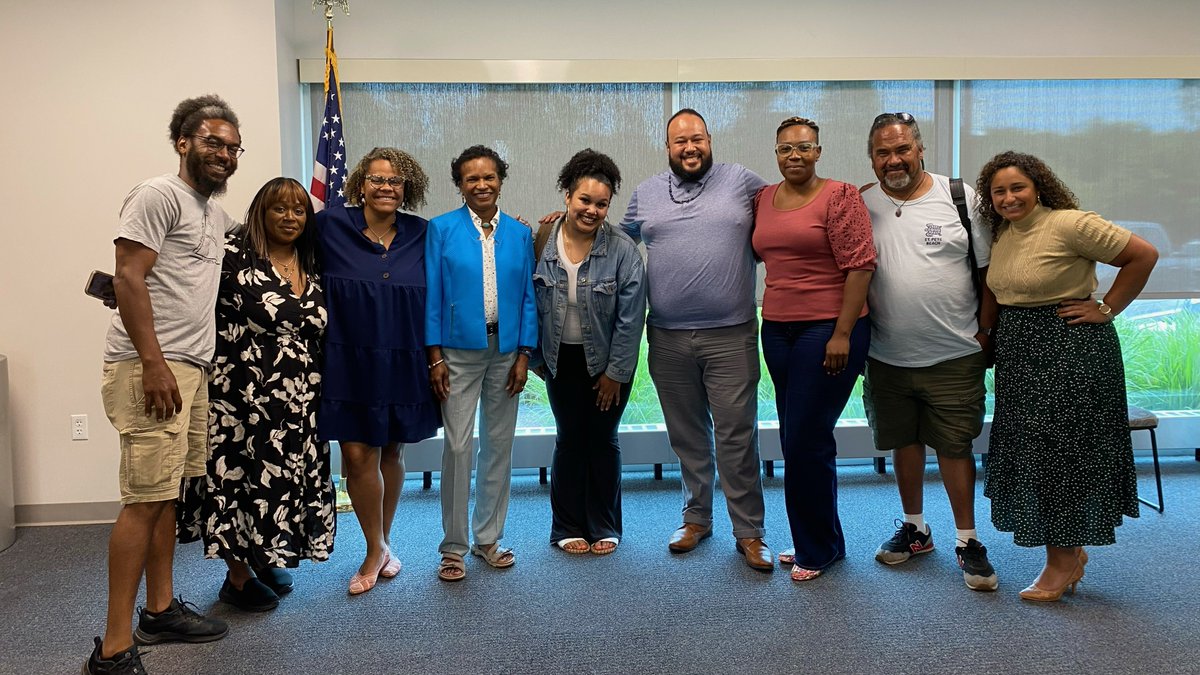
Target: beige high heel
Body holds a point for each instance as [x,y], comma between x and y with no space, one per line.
[1035,594]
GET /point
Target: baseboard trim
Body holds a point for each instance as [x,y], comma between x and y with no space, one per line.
[76,513]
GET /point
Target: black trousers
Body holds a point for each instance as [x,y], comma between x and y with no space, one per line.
[585,478]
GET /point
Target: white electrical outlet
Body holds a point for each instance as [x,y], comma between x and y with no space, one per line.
[79,428]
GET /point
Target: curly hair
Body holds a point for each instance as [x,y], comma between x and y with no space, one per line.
[415,180]
[1052,193]
[588,163]
[477,152]
[254,232]
[800,121]
[190,113]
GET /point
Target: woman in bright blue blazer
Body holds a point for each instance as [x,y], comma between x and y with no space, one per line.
[480,329]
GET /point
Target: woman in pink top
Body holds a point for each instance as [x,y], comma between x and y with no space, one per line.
[814,235]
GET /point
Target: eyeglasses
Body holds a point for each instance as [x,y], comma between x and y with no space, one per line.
[215,144]
[904,118]
[378,181]
[786,149]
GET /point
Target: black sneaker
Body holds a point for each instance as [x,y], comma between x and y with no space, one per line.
[276,578]
[180,622]
[978,573]
[128,662]
[255,596]
[907,542]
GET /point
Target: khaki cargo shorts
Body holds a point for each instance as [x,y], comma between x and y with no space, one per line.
[156,456]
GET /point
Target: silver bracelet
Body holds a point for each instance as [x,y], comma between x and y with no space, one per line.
[437,363]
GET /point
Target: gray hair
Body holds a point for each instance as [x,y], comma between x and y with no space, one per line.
[887,120]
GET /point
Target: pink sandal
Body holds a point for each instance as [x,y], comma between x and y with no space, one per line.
[804,574]
[361,583]
[391,566]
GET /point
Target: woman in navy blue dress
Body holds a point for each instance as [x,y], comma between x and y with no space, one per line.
[376,395]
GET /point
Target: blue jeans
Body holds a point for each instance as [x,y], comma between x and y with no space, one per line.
[809,402]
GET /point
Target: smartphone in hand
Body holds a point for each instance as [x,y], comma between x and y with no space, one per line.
[100,286]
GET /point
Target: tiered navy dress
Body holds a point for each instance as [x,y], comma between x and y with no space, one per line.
[375,388]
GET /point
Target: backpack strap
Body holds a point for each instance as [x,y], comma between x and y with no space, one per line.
[959,195]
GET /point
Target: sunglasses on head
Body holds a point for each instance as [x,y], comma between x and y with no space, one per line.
[902,116]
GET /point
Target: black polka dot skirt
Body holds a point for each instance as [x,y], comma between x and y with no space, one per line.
[1060,461]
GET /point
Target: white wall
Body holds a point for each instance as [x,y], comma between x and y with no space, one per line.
[90,87]
[89,90]
[732,29]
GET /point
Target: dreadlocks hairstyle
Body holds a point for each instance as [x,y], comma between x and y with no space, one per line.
[190,113]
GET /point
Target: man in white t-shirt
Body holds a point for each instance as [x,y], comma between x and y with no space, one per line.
[155,379]
[930,340]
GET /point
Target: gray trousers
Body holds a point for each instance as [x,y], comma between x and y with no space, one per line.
[707,382]
[477,379]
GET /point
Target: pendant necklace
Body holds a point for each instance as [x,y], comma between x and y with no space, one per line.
[901,205]
[287,267]
[379,238]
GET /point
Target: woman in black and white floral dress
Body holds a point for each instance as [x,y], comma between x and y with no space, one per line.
[267,502]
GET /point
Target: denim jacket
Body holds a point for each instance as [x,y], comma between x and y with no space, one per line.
[611,291]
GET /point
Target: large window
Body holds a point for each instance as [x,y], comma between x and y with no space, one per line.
[1130,150]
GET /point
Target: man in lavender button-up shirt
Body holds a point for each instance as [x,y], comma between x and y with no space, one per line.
[695,221]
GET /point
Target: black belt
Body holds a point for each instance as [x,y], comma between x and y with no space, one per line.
[493,328]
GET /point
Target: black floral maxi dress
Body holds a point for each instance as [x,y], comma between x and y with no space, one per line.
[267,500]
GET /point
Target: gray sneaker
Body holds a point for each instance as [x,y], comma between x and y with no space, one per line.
[978,573]
[904,544]
[128,662]
[180,622]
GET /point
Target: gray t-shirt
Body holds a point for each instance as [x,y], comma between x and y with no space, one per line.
[186,230]
[700,269]
[921,297]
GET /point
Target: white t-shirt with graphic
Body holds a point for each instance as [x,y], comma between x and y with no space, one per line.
[921,297]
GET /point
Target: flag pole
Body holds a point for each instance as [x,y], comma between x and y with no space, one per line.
[329,166]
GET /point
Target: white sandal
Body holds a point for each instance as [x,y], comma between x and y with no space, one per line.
[606,550]
[565,544]
[497,556]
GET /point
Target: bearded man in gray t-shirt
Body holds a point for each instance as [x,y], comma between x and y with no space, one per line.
[155,382]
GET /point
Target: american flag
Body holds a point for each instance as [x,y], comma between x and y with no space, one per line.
[329,167]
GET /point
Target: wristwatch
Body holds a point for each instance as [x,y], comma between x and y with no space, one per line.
[1105,309]
[528,352]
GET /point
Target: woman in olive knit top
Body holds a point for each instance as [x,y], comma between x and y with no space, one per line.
[1060,470]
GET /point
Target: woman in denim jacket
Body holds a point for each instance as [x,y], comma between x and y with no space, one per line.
[591,301]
